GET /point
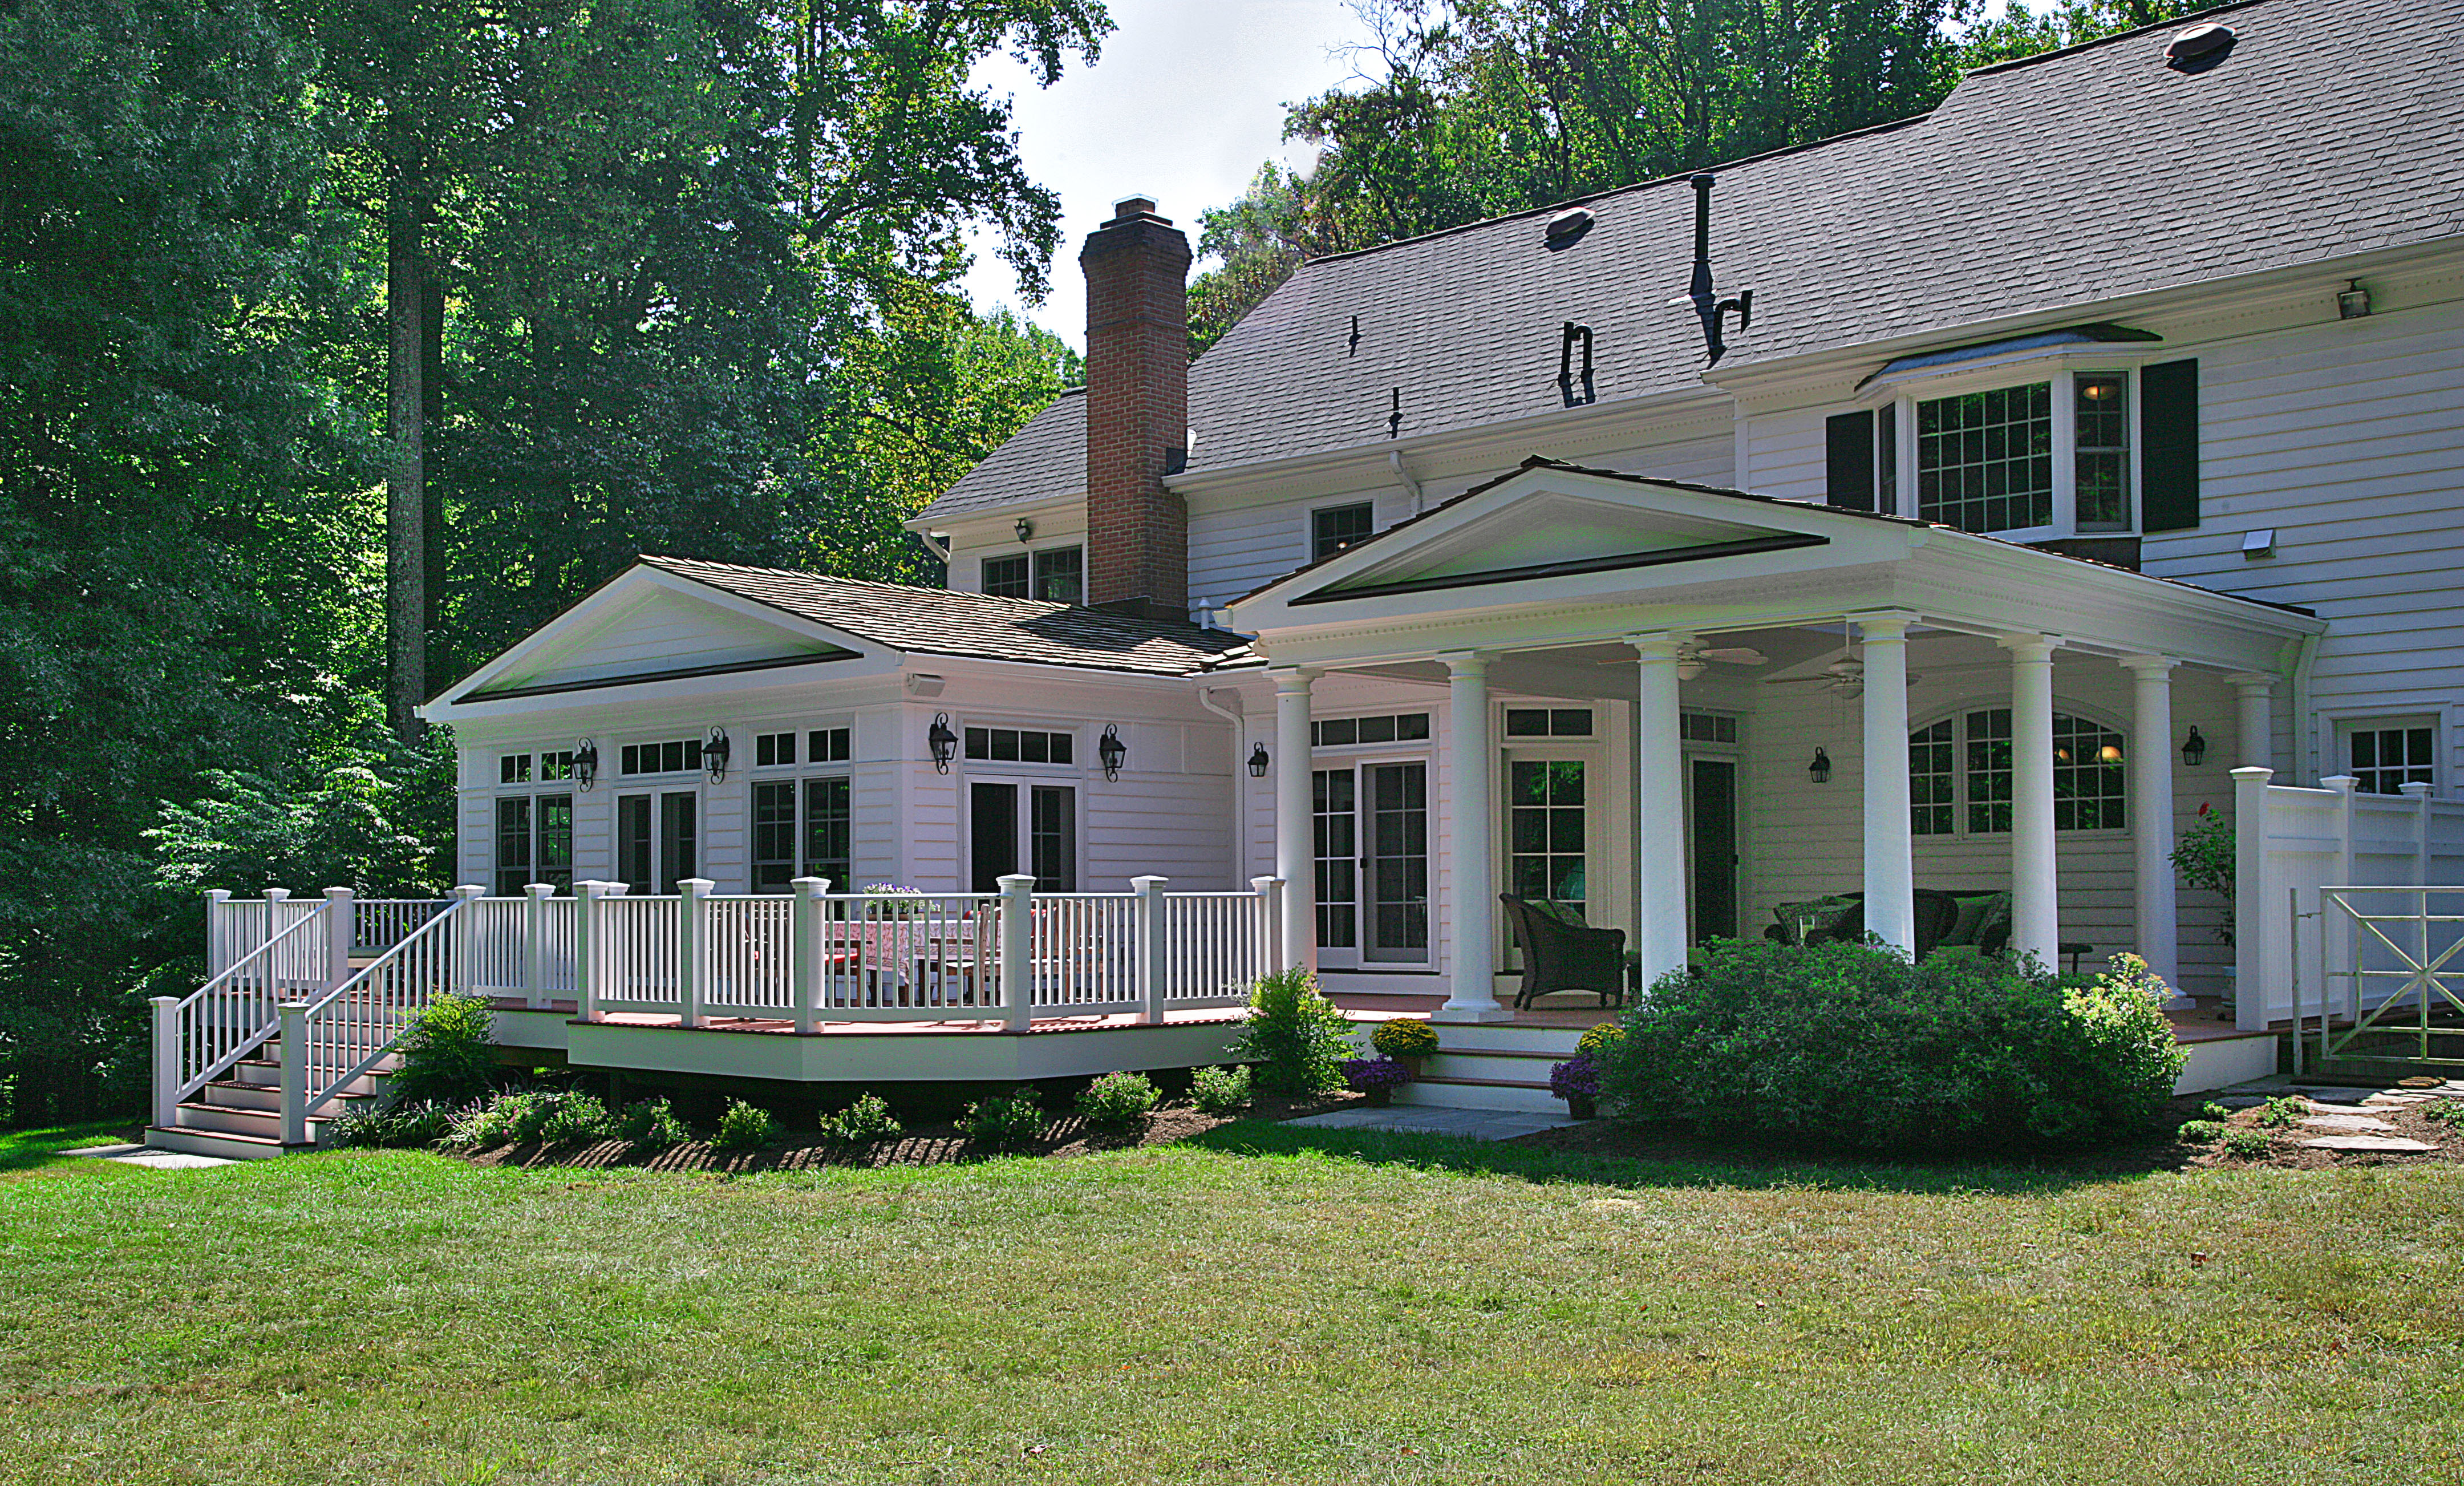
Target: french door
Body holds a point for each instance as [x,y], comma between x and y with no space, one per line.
[1370,825]
[657,840]
[1025,827]
[1712,846]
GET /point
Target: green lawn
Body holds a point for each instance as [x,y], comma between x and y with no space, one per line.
[1257,1307]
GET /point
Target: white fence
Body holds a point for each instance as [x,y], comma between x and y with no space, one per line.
[2294,844]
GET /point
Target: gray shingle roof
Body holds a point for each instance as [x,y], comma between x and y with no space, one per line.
[940,622]
[2037,185]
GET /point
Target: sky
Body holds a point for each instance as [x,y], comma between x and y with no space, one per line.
[1185,104]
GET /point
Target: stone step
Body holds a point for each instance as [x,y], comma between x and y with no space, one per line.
[1515,1067]
[1448,1093]
[1558,1042]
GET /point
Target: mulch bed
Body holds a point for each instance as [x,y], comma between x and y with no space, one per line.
[922,1145]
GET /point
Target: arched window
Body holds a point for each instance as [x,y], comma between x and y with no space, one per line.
[1959,775]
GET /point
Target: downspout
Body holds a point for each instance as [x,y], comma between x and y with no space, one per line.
[2305,741]
[940,551]
[1395,461]
[1240,722]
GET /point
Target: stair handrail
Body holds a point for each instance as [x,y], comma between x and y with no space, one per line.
[180,1043]
[426,946]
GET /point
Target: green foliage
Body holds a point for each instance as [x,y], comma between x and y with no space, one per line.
[2200,1132]
[2211,1110]
[2444,1111]
[1853,1045]
[557,1117]
[1220,1091]
[2246,1144]
[744,1127]
[1405,1037]
[1003,1121]
[2207,857]
[653,1123]
[449,1052]
[1117,1100]
[2284,1112]
[1294,1034]
[861,1123]
[1598,1040]
[365,1128]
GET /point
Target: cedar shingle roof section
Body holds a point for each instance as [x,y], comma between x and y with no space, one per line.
[2036,187]
[940,622]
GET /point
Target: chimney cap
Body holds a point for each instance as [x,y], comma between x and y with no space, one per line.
[1136,205]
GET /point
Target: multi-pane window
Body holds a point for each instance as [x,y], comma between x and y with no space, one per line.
[661,758]
[657,840]
[513,845]
[1337,527]
[2101,446]
[1544,830]
[1021,746]
[774,835]
[1334,821]
[1548,722]
[1009,577]
[1985,460]
[1710,727]
[2091,785]
[828,745]
[513,768]
[1352,732]
[1061,575]
[1052,837]
[772,749]
[829,832]
[2385,757]
[533,842]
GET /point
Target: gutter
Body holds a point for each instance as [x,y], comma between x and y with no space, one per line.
[2305,730]
[1240,722]
[1403,473]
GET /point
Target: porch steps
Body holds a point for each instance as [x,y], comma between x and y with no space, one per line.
[1492,1065]
[238,1116]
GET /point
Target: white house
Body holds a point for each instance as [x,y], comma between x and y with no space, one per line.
[1946,506]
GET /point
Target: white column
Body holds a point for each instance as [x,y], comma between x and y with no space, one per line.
[1659,795]
[1017,948]
[2256,742]
[295,1071]
[338,933]
[535,943]
[1890,867]
[2035,927]
[693,948]
[1471,924]
[166,1061]
[1295,848]
[589,949]
[466,934]
[2254,907]
[2151,814]
[806,944]
[1153,970]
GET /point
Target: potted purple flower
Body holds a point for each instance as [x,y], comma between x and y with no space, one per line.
[1578,1082]
[1377,1077]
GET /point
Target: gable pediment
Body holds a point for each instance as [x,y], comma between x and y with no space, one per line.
[656,631]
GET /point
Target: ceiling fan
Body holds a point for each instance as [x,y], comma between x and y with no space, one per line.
[1844,677]
[1693,657]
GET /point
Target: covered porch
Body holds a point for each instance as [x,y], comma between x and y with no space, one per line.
[1688,713]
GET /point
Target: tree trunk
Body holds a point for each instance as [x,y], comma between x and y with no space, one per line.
[431,409]
[405,483]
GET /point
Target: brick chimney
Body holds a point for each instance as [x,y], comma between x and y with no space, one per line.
[1138,412]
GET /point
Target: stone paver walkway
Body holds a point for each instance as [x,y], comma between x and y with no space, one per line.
[1471,1124]
[147,1156]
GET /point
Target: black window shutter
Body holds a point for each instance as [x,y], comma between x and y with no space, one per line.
[1849,446]
[2169,446]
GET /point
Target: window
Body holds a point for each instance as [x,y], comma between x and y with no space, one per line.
[2090,775]
[828,745]
[1052,837]
[1548,722]
[533,842]
[1339,526]
[2387,755]
[1352,732]
[1985,460]
[1544,829]
[827,831]
[774,835]
[1008,577]
[553,767]
[772,749]
[682,756]
[2101,450]
[1334,821]
[1061,575]
[513,845]
[1710,727]
[513,768]
[657,843]
[1021,746]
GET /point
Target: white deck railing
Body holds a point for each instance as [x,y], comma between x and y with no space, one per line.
[270,950]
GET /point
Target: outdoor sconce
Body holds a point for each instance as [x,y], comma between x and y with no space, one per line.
[2194,749]
[1111,751]
[1258,762]
[585,762]
[943,743]
[2352,302]
[714,754]
[1819,770]
[1025,529]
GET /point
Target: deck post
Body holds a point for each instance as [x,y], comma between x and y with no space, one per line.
[218,932]
[1017,949]
[338,933]
[587,965]
[295,1072]
[166,1061]
[1152,966]
[2250,905]
[464,940]
[804,940]
[692,947]
[1270,923]
[535,942]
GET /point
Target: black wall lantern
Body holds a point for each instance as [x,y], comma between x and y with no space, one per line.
[1819,770]
[1025,529]
[2194,749]
[714,754]
[585,762]
[1111,751]
[943,743]
[1258,762]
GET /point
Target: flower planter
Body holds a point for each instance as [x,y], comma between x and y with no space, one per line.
[1381,1096]
[1582,1106]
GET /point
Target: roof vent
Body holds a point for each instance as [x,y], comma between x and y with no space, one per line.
[2199,48]
[1568,226]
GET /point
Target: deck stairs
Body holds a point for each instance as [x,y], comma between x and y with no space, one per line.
[239,1115]
[1492,1065]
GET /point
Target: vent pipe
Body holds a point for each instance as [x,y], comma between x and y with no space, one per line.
[1708,306]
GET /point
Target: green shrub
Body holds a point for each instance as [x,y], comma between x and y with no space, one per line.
[2284,1112]
[1848,1045]
[2200,1132]
[2447,1112]
[2248,1144]
[396,1128]
[1005,1122]
[2211,1110]
[1220,1091]
[576,1118]
[448,1052]
[1294,1034]
[744,1127]
[866,1120]
[1117,1100]
[1405,1037]
[556,1115]
[653,1123]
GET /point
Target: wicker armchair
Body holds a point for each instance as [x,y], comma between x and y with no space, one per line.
[1562,955]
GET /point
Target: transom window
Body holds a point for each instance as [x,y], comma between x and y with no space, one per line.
[1985,460]
[1960,768]
[1710,727]
[1350,732]
[821,746]
[828,744]
[660,757]
[1337,527]
[1548,722]
[1021,746]
[2386,756]
[772,749]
